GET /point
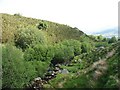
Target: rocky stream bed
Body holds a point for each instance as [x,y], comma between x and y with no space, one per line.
[38,82]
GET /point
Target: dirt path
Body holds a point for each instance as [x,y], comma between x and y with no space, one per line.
[100,65]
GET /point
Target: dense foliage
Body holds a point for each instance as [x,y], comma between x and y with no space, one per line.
[26,37]
[62,56]
[75,44]
[14,68]
[112,40]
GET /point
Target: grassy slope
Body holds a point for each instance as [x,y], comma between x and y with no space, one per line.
[55,32]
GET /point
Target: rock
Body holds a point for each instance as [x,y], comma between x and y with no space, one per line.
[44,81]
[57,65]
[102,47]
[49,71]
[59,71]
[64,71]
[56,69]
[37,84]
[38,79]
[75,61]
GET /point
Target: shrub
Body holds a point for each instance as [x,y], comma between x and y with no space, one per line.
[111,83]
[62,54]
[17,14]
[112,40]
[86,47]
[75,44]
[39,56]
[99,44]
[42,26]
[66,50]
[39,53]
[40,67]
[14,69]
[27,37]
[100,38]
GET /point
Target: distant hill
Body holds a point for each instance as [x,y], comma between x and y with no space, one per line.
[108,33]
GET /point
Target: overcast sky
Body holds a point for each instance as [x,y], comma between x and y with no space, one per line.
[87,15]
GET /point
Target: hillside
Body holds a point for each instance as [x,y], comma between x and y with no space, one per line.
[54,32]
[39,54]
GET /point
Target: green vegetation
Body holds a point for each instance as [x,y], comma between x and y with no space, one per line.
[112,40]
[86,47]
[26,37]
[75,44]
[42,26]
[62,56]
[53,32]
[14,68]
[39,53]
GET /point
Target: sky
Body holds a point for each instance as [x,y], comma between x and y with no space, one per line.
[87,15]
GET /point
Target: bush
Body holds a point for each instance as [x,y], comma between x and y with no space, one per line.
[75,44]
[99,44]
[42,26]
[62,54]
[100,38]
[14,68]
[17,14]
[40,68]
[27,37]
[112,40]
[39,56]
[86,47]
[66,50]
[39,53]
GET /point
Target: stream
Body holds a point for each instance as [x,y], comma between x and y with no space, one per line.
[37,83]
